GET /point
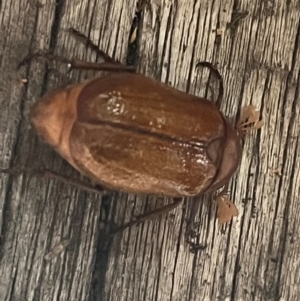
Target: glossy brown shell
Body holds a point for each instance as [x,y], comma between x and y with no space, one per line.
[135,134]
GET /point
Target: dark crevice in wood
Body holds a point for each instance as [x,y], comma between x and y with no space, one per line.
[256,277]
[90,25]
[58,13]
[193,280]
[16,146]
[256,183]
[107,23]
[180,58]
[34,242]
[34,33]
[97,291]
[237,265]
[235,16]
[183,46]
[205,50]
[136,249]
[75,234]
[104,244]
[147,274]
[126,254]
[237,269]
[215,276]
[243,225]
[132,58]
[288,201]
[143,268]
[117,42]
[154,66]
[164,47]
[100,26]
[6,215]
[197,247]
[246,204]
[196,40]
[171,24]
[117,248]
[285,227]
[250,61]
[218,38]
[13,283]
[37,291]
[160,265]
[276,209]
[180,233]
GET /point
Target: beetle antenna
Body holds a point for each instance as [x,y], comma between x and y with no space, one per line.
[213,69]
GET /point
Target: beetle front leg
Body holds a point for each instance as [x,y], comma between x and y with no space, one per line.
[106,66]
[109,64]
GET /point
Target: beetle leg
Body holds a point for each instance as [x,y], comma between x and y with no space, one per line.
[109,63]
[53,175]
[89,43]
[79,64]
[213,69]
[111,67]
[148,215]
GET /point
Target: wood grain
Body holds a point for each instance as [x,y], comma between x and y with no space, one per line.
[256,46]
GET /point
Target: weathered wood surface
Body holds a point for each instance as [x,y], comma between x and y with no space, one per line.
[255,258]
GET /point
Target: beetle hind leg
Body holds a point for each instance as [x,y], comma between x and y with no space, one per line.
[149,215]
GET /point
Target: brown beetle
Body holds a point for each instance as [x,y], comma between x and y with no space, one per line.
[135,134]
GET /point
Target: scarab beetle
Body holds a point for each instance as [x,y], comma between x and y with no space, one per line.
[135,134]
